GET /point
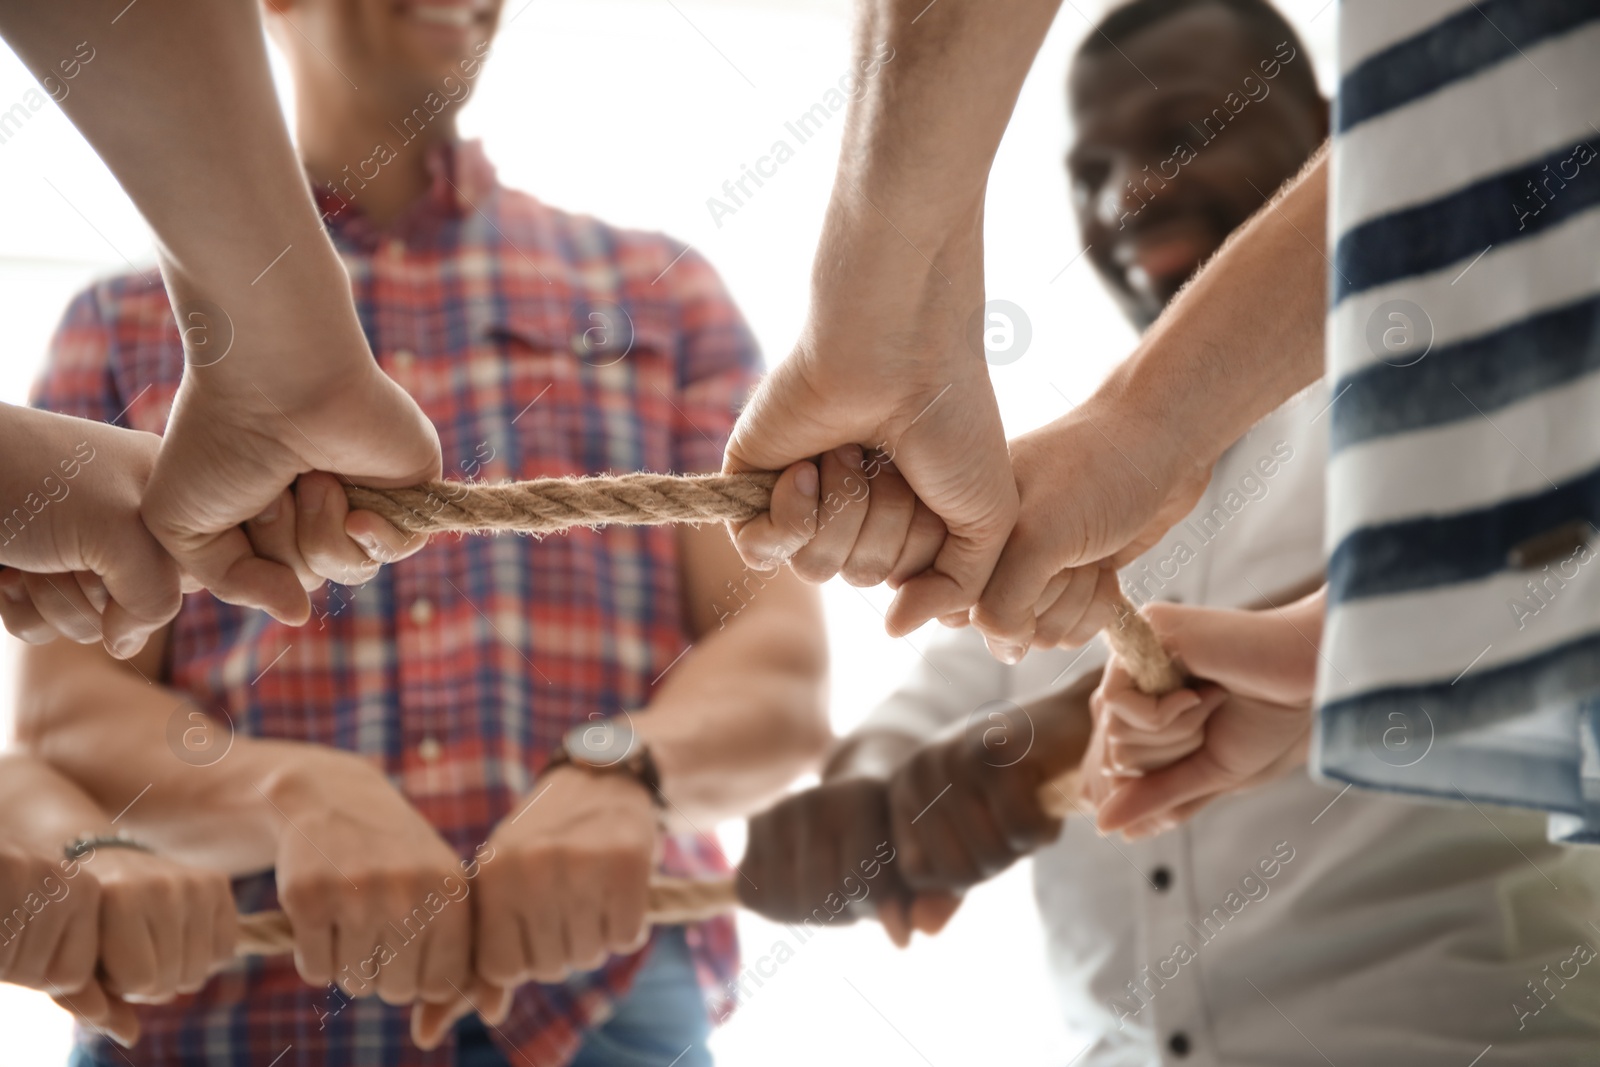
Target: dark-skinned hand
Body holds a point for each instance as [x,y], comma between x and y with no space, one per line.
[825,855]
[965,807]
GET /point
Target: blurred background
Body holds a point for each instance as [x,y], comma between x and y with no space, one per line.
[637,111]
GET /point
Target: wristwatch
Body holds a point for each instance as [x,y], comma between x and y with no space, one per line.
[610,746]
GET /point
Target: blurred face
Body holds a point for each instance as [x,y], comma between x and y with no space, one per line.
[399,47]
[1199,161]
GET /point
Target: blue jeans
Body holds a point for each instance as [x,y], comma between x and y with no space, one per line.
[660,1023]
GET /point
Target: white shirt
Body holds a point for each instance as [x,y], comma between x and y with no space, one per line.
[1361,928]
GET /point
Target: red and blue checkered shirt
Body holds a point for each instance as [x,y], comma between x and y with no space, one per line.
[539,343]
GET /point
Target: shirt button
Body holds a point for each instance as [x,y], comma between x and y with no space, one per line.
[404,358]
[1161,878]
[429,749]
[1179,1044]
[396,248]
[422,611]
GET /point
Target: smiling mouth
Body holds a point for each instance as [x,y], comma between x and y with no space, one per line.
[1164,256]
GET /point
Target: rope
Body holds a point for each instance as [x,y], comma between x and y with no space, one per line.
[672,901]
[550,505]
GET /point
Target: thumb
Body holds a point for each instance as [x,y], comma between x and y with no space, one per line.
[145,590]
[101,1011]
[430,1022]
[393,443]
[895,916]
[1160,791]
[931,912]
[772,432]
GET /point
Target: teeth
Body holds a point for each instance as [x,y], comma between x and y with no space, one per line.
[443,16]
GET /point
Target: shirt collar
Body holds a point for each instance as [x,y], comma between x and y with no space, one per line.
[461,176]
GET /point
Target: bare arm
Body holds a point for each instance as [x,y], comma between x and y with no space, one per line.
[177,99]
[122,735]
[105,925]
[886,358]
[743,713]
[1108,479]
[1246,334]
[162,95]
[920,140]
[895,808]
[57,810]
[350,853]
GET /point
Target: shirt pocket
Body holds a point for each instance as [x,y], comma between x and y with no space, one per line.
[596,397]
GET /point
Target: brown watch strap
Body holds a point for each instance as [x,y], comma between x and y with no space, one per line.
[639,764]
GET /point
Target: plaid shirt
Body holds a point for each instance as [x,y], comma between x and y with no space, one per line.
[458,670]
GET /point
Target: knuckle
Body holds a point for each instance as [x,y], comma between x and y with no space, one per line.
[814,566]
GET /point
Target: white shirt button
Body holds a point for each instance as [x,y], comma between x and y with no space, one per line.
[403,358]
[396,248]
[422,611]
[430,749]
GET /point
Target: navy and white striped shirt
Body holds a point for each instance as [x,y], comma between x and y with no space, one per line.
[1462,651]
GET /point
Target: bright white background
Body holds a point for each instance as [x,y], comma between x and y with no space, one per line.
[637,111]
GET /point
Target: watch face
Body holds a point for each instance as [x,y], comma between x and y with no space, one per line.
[602,742]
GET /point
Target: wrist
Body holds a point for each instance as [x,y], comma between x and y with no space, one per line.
[294,780]
[622,787]
[873,754]
[611,749]
[1170,430]
[921,258]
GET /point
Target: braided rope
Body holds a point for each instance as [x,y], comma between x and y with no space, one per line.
[672,901]
[550,505]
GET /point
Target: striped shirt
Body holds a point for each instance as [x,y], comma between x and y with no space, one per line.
[539,344]
[1462,650]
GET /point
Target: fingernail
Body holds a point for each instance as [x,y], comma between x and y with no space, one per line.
[13,590]
[99,597]
[268,513]
[312,495]
[369,544]
[125,646]
[806,480]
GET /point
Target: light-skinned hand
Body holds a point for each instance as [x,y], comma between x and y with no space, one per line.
[1158,760]
[886,365]
[1097,489]
[112,928]
[298,392]
[570,881]
[311,530]
[379,902]
[85,566]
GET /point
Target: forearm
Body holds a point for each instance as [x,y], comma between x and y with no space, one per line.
[1240,339]
[1061,719]
[177,99]
[921,136]
[938,85]
[873,752]
[45,453]
[739,718]
[177,777]
[45,810]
